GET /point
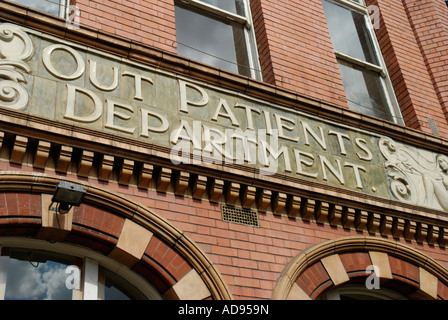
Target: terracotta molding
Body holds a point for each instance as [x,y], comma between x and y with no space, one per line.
[138,52]
[275,194]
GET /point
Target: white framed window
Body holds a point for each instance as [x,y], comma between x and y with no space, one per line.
[364,75]
[33,269]
[57,8]
[219,33]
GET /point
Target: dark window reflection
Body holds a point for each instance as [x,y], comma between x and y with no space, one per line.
[349,32]
[364,91]
[49,6]
[37,275]
[44,275]
[211,41]
[117,288]
[234,6]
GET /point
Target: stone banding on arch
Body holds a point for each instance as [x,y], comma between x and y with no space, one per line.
[339,261]
[108,223]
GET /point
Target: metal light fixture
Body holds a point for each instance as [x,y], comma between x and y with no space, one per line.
[68,194]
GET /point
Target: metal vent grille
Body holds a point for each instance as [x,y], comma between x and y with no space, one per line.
[433,126]
[239,215]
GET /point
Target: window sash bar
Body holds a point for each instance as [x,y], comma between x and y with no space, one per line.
[4,261]
[220,12]
[352,5]
[90,280]
[64,9]
[361,63]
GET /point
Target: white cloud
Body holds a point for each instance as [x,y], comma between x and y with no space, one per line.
[41,281]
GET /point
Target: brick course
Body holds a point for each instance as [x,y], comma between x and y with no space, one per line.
[409,75]
[429,21]
[149,22]
[295,49]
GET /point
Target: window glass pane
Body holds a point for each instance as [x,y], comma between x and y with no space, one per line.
[349,32]
[364,91]
[234,6]
[117,288]
[48,6]
[211,41]
[353,291]
[37,275]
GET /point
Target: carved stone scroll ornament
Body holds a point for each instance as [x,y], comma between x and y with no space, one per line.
[15,48]
[416,176]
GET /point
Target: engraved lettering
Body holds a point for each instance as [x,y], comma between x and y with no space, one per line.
[340,137]
[46,58]
[337,172]
[112,113]
[300,162]
[138,79]
[275,152]
[94,79]
[164,123]
[214,140]
[184,101]
[356,169]
[268,124]
[280,120]
[308,130]
[249,117]
[227,114]
[184,132]
[362,144]
[245,146]
[70,108]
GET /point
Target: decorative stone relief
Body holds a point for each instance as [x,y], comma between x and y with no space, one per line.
[416,176]
[15,48]
[212,127]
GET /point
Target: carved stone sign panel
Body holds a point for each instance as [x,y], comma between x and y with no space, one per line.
[47,77]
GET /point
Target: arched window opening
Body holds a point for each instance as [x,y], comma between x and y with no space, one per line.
[40,270]
[362,268]
[360,292]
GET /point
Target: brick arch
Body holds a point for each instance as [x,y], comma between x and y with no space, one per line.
[113,226]
[345,261]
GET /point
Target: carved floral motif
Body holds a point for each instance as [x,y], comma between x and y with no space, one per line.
[416,176]
[15,48]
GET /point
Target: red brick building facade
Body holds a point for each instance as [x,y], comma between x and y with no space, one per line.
[361,190]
